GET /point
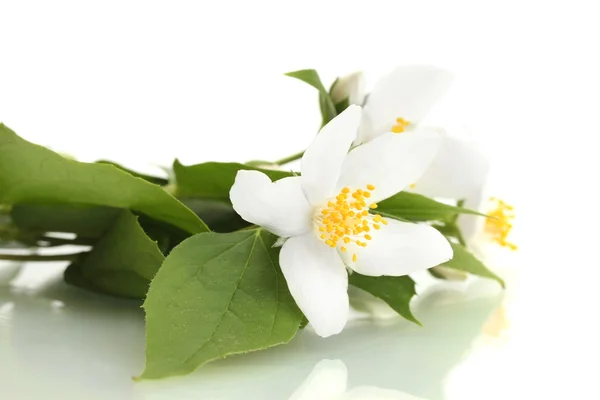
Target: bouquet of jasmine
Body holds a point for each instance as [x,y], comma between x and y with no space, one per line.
[231,258]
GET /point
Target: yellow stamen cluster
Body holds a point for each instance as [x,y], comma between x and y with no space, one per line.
[344,219]
[400,125]
[500,225]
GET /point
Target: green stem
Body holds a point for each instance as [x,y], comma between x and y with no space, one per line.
[289,159]
[37,257]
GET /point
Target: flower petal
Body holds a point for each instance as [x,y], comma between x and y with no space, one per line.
[318,282]
[408,92]
[322,161]
[459,171]
[351,87]
[399,248]
[376,393]
[280,207]
[390,162]
[327,381]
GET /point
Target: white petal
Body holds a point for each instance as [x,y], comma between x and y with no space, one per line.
[390,162]
[459,171]
[280,206]
[399,248]
[375,393]
[327,381]
[351,87]
[322,161]
[318,281]
[408,92]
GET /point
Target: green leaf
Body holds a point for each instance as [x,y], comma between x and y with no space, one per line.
[83,220]
[396,291]
[217,295]
[310,76]
[122,263]
[218,215]
[33,174]
[463,260]
[150,178]
[415,207]
[213,180]
[452,230]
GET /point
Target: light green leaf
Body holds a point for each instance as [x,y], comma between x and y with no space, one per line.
[213,180]
[33,174]
[150,178]
[415,207]
[216,295]
[463,260]
[396,291]
[122,263]
[310,76]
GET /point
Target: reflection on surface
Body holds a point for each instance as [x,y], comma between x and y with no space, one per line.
[60,342]
[329,381]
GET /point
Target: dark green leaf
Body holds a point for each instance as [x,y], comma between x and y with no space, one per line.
[451,230]
[213,180]
[415,207]
[33,174]
[396,291]
[218,215]
[83,220]
[463,260]
[122,263]
[216,295]
[152,179]
[310,76]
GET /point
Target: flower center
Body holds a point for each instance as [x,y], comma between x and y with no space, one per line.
[400,125]
[344,219]
[500,225]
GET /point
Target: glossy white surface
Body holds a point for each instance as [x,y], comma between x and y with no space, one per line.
[142,82]
[59,342]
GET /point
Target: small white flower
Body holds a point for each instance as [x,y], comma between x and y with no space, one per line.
[329,380]
[324,213]
[398,103]
[400,100]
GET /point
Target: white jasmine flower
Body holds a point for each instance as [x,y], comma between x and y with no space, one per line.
[398,103]
[324,213]
[460,171]
[329,380]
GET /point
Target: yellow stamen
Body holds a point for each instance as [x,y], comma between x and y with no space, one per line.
[400,125]
[345,218]
[354,257]
[500,223]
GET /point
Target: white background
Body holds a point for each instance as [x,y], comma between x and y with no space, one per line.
[143,82]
